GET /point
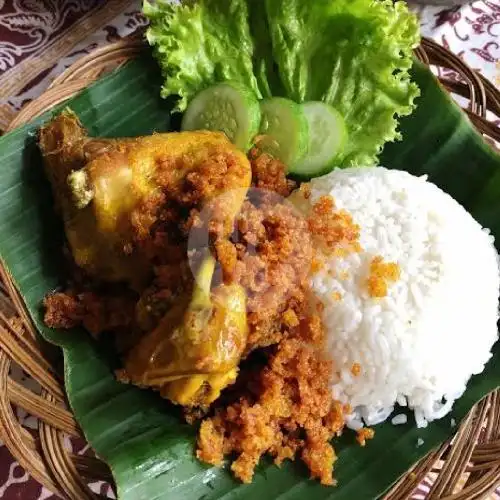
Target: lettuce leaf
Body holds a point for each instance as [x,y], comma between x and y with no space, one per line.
[352,54]
[198,44]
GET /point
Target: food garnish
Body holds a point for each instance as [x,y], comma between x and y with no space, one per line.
[228,107]
[327,140]
[307,138]
[284,130]
[381,275]
[354,55]
[364,434]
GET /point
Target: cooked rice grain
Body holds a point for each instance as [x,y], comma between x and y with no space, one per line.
[419,344]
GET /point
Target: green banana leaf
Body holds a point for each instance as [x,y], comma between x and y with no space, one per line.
[141,437]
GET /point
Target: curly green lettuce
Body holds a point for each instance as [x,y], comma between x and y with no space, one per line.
[352,54]
[198,44]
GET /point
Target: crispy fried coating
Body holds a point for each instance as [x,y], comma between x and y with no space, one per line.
[275,253]
[334,228]
[98,313]
[288,412]
[364,434]
[381,275]
[287,408]
[111,193]
[63,310]
[129,207]
[270,173]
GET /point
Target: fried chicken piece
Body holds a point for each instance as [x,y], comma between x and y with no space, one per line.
[125,204]
[195,350]
[66,149]
[111,193]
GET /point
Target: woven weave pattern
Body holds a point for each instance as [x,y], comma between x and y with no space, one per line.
[474,456]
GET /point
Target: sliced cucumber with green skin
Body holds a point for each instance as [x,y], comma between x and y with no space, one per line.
[327,139]
[283,130]
[227,107]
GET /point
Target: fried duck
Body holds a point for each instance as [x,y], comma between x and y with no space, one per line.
[117,198]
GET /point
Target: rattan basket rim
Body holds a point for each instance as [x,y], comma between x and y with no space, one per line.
[476,446]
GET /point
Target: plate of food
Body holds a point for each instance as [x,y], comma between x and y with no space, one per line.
[266,249]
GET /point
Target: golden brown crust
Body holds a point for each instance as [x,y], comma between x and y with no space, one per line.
[275,253]
[282,403]
[288,410]
[270,174]
[364,434]
[211,443]
[356,369]
[382,274]
[62,310]
[335,229]
[97,312]
[227,257]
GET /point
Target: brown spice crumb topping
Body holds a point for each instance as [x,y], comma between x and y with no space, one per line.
[62,310]
[97,313]
[381,275]
[290,319]
[288,411]
[356,369]
[269,173]
[364,434]
[227,257]
[335,229]
[274,255]
[316,265]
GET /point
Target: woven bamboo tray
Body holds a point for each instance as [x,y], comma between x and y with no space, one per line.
[466,468]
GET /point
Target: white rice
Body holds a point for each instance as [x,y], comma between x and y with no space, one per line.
[419,345]
[399,419]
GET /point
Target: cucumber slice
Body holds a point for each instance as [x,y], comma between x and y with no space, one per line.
[283,129]
[228,107]
[327,139]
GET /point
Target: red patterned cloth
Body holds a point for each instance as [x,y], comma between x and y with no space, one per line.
[472,32]
[41,38]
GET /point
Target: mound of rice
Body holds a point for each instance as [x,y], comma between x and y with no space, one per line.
[419,345]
